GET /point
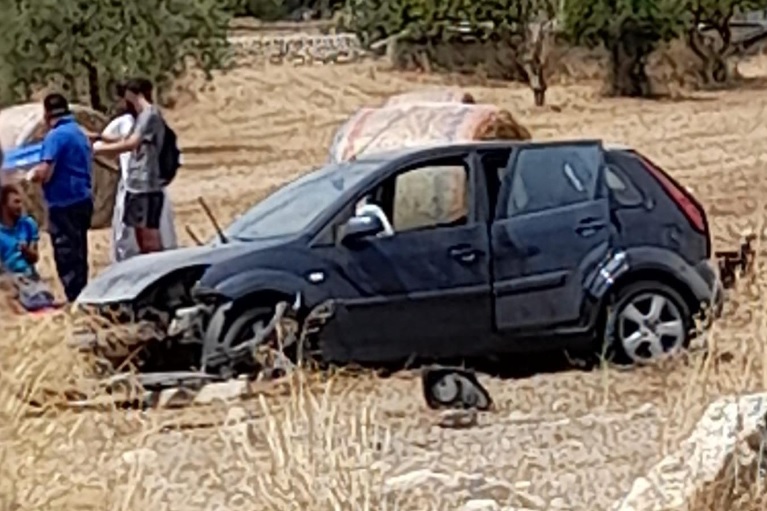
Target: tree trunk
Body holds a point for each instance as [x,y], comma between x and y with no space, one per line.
[628,76]
[535,56]
[537,81]
[714,69]
[94,88]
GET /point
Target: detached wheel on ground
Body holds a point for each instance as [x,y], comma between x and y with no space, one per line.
[452,387]
[647,321]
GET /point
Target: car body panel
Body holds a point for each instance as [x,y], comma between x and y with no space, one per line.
[655,220]
[126,280]
[544,252]
[497,283]
[541,264]
[425,292]
[666,261]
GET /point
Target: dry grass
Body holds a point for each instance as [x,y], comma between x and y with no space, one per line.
[573,439]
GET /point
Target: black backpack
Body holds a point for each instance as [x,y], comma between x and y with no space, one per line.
[170,157]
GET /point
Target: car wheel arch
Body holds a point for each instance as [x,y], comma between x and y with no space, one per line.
[653,274]
[258,283]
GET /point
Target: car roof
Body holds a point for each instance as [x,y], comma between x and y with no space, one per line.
[429,147]
[434,147]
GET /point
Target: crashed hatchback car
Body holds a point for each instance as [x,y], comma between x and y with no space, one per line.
[454,250]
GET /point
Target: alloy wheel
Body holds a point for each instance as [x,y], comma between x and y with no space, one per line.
[651,327]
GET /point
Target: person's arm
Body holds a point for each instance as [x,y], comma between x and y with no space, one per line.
[132,141]
[115,131]
[101,137]
[30,249]
[42,172]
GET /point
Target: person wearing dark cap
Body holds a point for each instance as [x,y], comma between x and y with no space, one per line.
[65,175]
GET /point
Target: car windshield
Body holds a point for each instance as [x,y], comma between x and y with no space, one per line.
[293,207]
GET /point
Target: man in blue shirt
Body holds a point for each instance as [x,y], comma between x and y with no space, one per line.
[65,175]
[18,234]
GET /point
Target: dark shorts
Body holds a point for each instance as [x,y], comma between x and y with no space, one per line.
[143,210]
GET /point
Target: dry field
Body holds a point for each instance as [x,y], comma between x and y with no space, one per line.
[570,440]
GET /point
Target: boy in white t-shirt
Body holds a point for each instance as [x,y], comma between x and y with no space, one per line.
[124,243]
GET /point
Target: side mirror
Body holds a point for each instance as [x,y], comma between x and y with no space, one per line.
[359,227]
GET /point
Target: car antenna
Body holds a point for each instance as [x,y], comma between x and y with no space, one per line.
[192,235]
[209,213]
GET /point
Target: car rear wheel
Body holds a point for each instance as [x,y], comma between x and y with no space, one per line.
[648,321]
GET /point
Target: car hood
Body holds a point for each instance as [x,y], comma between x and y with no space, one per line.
[124,281]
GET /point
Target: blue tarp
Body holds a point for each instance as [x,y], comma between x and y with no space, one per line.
[21,157]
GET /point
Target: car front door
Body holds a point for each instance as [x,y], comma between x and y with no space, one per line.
[425,290]
[551,230]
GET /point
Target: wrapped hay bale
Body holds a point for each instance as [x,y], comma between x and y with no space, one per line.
[442,95]
[23,124]
[373,130]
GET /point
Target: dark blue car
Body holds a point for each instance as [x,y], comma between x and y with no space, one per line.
[498,247]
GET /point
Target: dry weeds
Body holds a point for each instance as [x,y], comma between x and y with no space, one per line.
[573,440]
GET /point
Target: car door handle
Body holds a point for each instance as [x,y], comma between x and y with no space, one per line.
[591,221]
[589,227]
[464,254]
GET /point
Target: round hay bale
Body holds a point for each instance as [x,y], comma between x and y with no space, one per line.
[373,130]
[441,95]
[24,124]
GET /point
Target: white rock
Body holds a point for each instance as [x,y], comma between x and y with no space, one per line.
[224,391]
[236,414]
[142,455]
[725,427]
[530,500]
[481,505]
[415,479]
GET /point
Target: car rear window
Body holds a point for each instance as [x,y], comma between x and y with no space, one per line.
[622,189]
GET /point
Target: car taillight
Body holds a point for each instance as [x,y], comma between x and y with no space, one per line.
[681,197]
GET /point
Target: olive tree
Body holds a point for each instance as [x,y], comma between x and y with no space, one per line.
[85,45]
[630,30]
[709,34]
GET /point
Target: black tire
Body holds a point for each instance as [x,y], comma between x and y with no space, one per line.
[611,345]
[227,328]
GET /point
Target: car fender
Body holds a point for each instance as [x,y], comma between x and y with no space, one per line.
[624,263]
[245,283]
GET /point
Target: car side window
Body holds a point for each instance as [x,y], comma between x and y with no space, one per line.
[434,195]
[549,177]
[622,190]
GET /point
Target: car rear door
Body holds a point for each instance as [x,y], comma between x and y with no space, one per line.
[551,230]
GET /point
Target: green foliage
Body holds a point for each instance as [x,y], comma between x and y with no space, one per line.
[595,22]
[87,44]
[437,20]
[718,11]
[265,10]
[274,10]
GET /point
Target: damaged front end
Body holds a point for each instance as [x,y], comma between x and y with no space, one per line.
[161,329]
[175,327]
